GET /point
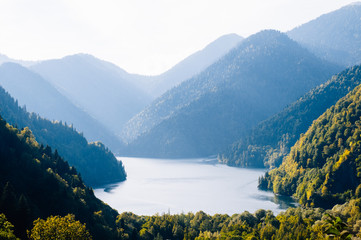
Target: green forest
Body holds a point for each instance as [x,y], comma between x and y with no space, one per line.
[94,161]
[270,141]
[42,197]
[324,166]
[253,107]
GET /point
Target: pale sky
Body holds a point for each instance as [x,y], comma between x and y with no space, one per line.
[141,36]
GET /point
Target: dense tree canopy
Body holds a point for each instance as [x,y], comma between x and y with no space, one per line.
[324,166]
[36,182]
[59,228]
[270,141]
[94,161]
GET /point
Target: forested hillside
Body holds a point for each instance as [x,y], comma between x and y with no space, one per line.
[334,36]
[205,114]
[270,141]
[94,161]
[36,182]
[41,97]
[188,67]
[323,167]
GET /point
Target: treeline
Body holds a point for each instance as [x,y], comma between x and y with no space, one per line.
[342,222]
[295,223]
[271,140]
[94,161]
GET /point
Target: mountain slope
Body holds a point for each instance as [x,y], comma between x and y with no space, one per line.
[95,162]
[39,96]
[5,59]
[324,166]
[335,36]
[258,78]
[98,87]
[36,182]
[190,66]
[271,140]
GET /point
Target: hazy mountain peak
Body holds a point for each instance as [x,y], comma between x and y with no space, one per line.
[355,4]
[260,76]
[335,36]
[190,66]
[101,88]
[5,59]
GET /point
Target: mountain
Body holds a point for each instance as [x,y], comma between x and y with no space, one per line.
[208,112]
[37,183]
[335,36]
[4,59]
[323,168]
[98,87]
[41,97]
[270,141]
[190,66]
[94,161]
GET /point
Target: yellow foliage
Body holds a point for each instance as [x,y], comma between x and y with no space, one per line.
[56,227]
[342,159]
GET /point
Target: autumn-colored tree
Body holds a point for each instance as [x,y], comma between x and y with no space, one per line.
[6,229]
[56,227]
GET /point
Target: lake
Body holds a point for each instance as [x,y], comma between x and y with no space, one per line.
[188,185]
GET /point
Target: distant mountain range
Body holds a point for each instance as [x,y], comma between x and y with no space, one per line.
[5,59]
[40,96]
[268,100]
[83,88]
[166,114]
[189,67]
[334,36]
[201,116]
[96,86]
[172,125]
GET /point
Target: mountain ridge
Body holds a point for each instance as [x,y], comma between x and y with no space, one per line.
[95,85]
[270,141]
[95,162]
[334,36]
[233,81]
[30,89]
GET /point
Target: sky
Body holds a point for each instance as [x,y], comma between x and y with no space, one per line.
[141,36]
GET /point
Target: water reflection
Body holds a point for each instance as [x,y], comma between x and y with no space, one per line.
[284,202]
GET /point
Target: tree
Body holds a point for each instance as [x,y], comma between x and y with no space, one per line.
[6,229]
[56,227]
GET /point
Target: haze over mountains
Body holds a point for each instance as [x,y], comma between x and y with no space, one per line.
[40,96]
[96,86]
[123,105]
[263,74]
[270,141]
[87,88]
[189,67]
[94,161]
[5,59]
[334,36]
[267,100]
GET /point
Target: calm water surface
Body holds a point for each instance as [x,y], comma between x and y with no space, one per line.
[190,185]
